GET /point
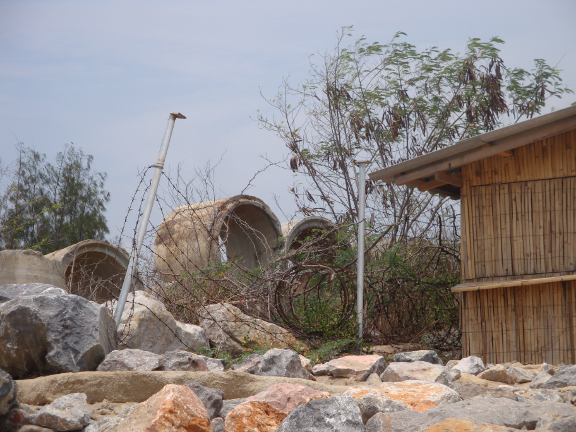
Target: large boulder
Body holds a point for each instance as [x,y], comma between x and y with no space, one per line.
[148,326]
[418,370]
[12,291]
[339,413]
[229,329]
[470,365]
[469,391]
[564,377]
[211,398]
[8,391]
[130,360]
[429,356]
[68,413]
[53,332]
[357,366]
[282,362]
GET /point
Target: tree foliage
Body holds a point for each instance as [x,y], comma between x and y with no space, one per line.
[48,206]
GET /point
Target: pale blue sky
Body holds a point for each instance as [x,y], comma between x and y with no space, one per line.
[105,74]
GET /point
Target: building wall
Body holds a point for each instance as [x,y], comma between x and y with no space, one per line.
[519,212]
[529,324]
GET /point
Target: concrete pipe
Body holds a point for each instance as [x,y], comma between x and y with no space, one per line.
[28,266]
[296,231]
[241,228]
[93,269]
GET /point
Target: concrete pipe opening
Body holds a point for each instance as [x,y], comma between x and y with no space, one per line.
[297,231]
[93,269]
[241,229]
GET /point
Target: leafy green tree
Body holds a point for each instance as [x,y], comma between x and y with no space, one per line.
[48,206]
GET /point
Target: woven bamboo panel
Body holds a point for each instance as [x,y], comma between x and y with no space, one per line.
[529,324]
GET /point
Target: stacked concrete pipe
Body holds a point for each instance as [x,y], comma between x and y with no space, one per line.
[241,228]
[91,268]
[296,231]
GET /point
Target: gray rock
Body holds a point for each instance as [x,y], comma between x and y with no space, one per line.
[373,379]
[417,370]
[111,424]
[372,402]
[12,291]
[540,379]
[218,424]
[183,361]
[564,377]
[211,398]
[557,424]
[339,413]
[147,325]
[54,333]
[470,365]
[520,375]
[130,360]
[282,362]
[321,369]
[429,356]
[229,404]
[8,392]
[377,368]
[401,421]
[67,413]
[546,395]
[249,365]
[214,365]
[469,391]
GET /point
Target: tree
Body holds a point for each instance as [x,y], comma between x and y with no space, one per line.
[50,206]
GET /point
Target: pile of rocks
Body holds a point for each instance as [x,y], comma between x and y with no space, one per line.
[154,382]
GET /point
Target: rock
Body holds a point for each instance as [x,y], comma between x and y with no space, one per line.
[429,356]
[470,365]
[136,386]
[12,291]
[306,363]
[12,419]
[285,397]
[229,404]
[228,328]
[33,428]
[183,361]
[497,373]
[416,395]
[467,425]
[68,413]
[373,379]
[147,325]
[540,379]
[555,423]
[249,365]
[564,377]
[473,379]
[545,367]
[451,363]
[218,424]
[253,417]
[192,336]
[321,369]
[417,370]
[210,397]
[213,364]
[371,401]
[469,391]
[266,410]
[543,395]
[130,360]
[339,413]
[359,367]
[54,333]
[388,351]
[400,421]
[520,375]
[282,362]
[8,392]
[110,424]
[174,408]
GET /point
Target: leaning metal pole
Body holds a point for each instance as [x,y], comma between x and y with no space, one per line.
[131,270]
[360,263]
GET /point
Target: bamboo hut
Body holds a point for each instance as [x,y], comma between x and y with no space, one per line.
[517,192]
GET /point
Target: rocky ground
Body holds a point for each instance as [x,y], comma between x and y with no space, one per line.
[62,371]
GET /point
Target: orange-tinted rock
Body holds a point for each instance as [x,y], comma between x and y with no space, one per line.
[285,397]
[417,395]
[465,425]
[352,366]
[175,408]
[254,416]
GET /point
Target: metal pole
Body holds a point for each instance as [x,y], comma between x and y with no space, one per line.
[145,218]
[360,263]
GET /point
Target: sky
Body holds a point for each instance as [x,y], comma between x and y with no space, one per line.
[104,75]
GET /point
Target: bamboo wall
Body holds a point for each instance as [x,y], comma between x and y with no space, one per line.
[529,324]
[519,212]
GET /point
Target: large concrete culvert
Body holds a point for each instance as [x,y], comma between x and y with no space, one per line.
[241,229]
[295,232]
[93,269]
